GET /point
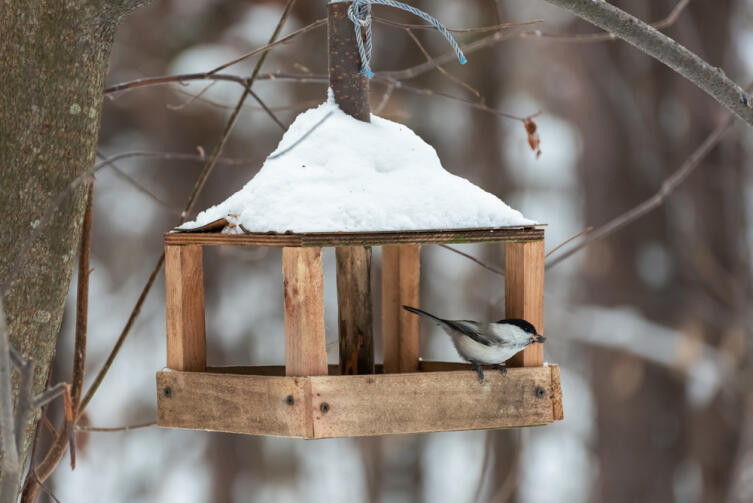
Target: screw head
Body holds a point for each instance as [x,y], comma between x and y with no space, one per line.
[324,407]
[290,400]
[167,392]
[540,392]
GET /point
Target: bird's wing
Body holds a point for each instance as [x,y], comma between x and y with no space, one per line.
[469,328]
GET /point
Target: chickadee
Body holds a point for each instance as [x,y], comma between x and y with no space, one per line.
[486,343]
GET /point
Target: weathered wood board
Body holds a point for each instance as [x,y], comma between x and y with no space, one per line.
[339,406]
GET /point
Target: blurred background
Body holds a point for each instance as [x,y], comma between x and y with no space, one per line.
[651,326]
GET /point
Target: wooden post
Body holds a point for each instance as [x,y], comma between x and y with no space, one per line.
[305,344]
[355,316]
[348,84]
[524,294]
[401,270]
[355,311]
[184,281]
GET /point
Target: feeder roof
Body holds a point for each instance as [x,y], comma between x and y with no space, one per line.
[333,173]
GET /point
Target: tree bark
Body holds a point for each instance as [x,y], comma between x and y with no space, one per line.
[53,62]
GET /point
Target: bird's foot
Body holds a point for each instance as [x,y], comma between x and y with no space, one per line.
[502,368]
[479,372]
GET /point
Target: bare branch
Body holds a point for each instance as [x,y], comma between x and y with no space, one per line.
[710,79]
[481,29]
[474,259]
[653,202]
[570,239]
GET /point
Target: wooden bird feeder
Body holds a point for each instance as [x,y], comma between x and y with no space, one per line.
[307,398]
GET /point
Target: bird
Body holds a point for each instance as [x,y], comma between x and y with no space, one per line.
[486,343]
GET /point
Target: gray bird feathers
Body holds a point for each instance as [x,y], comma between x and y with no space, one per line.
[486,343]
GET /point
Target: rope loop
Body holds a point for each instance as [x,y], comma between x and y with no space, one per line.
[360,13]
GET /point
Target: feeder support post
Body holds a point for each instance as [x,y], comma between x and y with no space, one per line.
[349,85]
[351,92]
[524,294]
[184,282]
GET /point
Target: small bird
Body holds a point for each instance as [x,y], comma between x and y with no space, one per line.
[486,343]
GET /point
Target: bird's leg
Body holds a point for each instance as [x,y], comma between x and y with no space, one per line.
[479,371]
[501,367]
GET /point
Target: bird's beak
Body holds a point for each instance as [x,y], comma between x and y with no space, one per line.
[539,338]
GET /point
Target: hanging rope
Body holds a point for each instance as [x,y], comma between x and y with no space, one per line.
[360,13]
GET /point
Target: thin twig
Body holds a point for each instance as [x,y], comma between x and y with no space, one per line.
[303,136]
[44,488]
[444,72]
[570,239]
[129,427]
[480,29]
[197,189]
[651,41]
[474,259]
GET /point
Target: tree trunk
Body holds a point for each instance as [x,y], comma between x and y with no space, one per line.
[53,62]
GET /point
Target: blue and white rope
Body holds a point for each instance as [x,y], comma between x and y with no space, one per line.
[360,13]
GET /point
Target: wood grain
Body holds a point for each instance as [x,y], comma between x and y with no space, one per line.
[305,344]
[376,238]
[524,294]
[349,86]
[379,404]
[433,401]
[557,409]
[401,270]
[184,285]
[232,403]
[355,310]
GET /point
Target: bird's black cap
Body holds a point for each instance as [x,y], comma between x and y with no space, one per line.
[521,324]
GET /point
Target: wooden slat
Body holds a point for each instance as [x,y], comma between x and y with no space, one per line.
[434,401]
[233,403]
[184,282]
[321,239]
[524,294]
[305,344]
[355,310]
[378,404]
[401,269]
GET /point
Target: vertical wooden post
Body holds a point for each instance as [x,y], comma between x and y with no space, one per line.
[351,91]
[184,281]
[401,270]
[524,294]
[305,344]
[355,312]
[348,84]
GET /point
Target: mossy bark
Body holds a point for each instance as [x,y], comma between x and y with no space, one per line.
[53,62]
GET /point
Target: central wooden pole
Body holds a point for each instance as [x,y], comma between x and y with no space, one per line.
[355,311]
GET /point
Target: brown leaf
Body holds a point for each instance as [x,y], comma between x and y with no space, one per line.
[533,136]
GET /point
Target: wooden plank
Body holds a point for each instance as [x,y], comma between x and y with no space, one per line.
[305,344]
[355,310]
[435,401]
[260,405]
[376,238]
[401,270]
[524,294]
[184,285]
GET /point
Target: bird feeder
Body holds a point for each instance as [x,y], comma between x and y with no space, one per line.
[306,397]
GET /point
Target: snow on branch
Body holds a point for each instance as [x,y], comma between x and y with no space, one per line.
[710,79]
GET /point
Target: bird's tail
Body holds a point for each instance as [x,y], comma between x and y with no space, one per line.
[539,338]
[422,313]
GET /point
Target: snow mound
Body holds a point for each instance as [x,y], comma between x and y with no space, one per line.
[332,173]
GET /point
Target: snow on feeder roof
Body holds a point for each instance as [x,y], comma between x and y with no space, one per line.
[332,173]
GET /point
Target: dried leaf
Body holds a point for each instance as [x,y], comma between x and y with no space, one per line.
[533,136]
